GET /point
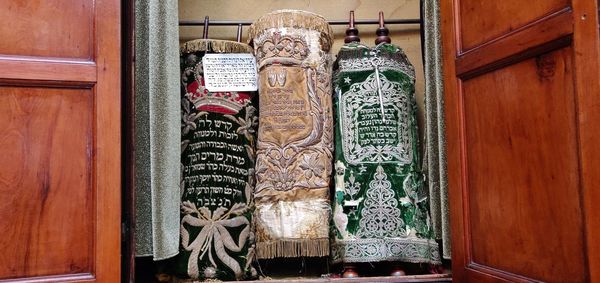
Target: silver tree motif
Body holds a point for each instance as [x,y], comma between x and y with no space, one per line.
[381,216]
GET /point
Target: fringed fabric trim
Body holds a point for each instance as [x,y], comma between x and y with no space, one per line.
[384,50]
[214,45]
[294,19]
[293,248]
[359,57]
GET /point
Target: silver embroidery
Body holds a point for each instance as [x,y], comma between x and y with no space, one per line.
[366,64]
[361,98]
[381,216]
[390,249]
[353,187]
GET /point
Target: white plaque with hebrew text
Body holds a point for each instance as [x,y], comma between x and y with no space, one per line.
[230,72]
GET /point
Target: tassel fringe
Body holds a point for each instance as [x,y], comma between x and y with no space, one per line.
[294,19]
[214,45]
[292,248]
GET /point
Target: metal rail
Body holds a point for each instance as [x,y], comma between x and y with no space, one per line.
[332,22]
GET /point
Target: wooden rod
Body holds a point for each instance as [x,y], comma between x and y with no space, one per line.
[351,31]
[382,32]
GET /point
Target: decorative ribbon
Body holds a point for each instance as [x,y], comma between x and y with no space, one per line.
[213,231]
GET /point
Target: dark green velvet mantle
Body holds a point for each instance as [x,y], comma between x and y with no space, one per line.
[380,210]
[217,162]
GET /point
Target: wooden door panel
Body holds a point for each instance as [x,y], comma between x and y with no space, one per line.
[521,89]
[47,28]
[552,31]
[522,164]
[482,21]
[45,184]
[60,123]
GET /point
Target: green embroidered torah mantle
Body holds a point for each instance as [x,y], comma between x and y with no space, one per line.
[381,210]
[217,163]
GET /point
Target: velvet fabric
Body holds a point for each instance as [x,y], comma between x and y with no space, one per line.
[218,132]
[381,208]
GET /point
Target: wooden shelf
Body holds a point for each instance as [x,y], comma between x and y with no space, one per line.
[408,278]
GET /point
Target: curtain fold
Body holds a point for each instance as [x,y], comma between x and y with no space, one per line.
[157,128]
[435,160]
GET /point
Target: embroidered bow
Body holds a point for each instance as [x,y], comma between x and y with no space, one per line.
[213,231]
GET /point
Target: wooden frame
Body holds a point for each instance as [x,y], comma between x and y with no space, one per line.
[108,147]
[587,75]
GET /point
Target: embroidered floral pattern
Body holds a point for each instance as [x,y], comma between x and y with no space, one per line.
[381,206]
[295,138]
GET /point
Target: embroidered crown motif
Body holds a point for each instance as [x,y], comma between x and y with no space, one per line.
[369,86]
[281,46]
[200,96]
[217,100]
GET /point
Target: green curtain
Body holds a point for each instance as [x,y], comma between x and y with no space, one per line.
[157,128]
[435,142]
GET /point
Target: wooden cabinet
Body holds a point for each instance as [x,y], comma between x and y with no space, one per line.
[60,128]
[522,98]
[522,102]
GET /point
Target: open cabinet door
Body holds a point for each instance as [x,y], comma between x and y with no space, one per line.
[60,124]
[523,112]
